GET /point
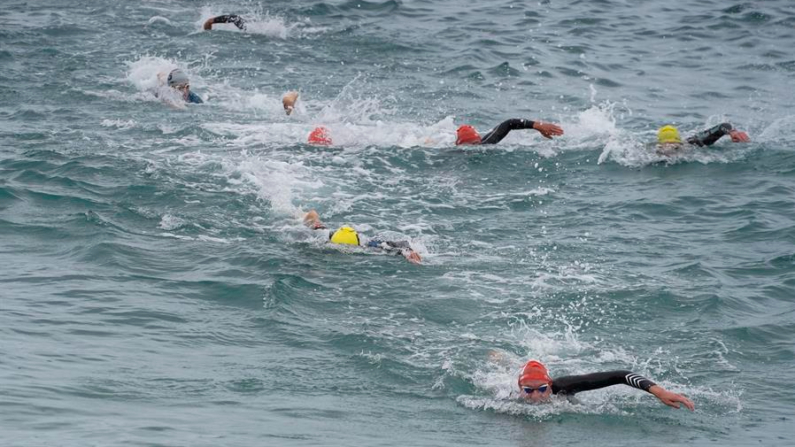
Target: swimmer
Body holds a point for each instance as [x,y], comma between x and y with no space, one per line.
[229,18]
[348,236]
[536,386]
[467,135]
[178,80]
[668,140]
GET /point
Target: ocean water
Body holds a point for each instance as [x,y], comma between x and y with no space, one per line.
[158,287]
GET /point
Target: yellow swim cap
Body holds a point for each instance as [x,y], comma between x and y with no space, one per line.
[345,235]
[668,134]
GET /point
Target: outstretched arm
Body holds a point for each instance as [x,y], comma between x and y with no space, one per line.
[587,382]
[548,130]
[400,247]
[229,18]
[713,134]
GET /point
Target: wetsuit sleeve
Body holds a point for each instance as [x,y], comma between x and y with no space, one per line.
[231,18]
[391,247]
[587,382]
[194,98]
[498,133]
[710,136]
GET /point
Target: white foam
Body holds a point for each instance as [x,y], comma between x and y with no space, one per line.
[170,223]
[119,123]
[159,19]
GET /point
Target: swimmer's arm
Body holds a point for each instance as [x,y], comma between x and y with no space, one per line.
[712,135]
[547,130]
[400,247]
[229,18]
[587,382]
[288,101]
[312,220]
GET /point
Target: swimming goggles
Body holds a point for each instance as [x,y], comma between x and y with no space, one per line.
[541,389]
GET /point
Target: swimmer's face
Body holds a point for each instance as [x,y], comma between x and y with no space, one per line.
[535,390]
[184,89]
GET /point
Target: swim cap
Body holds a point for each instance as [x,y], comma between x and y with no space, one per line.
[177,77]
[320,136]
[467,135]
[534,370]
[345,235]
[668,134]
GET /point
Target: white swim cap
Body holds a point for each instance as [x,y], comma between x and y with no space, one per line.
[177,77]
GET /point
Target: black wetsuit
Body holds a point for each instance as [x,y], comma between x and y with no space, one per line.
[571,385]
[710,136]
[503,129]
[391,247]
[231,18]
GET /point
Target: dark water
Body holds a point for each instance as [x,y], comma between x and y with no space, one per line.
[158,287]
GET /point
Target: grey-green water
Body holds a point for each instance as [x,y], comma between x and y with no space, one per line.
[158,287]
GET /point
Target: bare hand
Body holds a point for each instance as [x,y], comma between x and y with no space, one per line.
[671,399]
[738,136]
[209,23]
[548,130]
[412,256]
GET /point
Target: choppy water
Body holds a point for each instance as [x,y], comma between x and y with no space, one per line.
[158,287]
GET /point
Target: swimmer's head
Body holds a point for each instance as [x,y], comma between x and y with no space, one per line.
[668,135]
[345,235]
[467,135]
[320,136]
[178,80]
[535,385]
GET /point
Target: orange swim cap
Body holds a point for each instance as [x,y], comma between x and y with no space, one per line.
[467,135]
[320,137]
[534,370]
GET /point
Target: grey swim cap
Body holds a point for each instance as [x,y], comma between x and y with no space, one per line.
[177,77]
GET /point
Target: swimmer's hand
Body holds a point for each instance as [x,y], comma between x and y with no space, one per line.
[671,399]
[411,256]
[738,136]
[547,130]
[288,101]
[208,25]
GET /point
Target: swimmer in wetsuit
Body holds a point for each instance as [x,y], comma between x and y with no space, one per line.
[348,236]
[229,18]
[468,135]
[668,140]
[178,80]
[536,386]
